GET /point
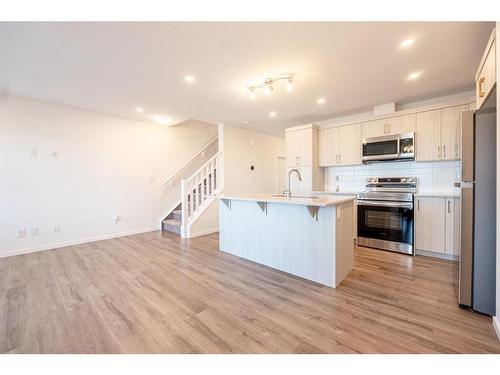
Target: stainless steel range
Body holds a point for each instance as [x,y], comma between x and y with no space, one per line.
[385,214]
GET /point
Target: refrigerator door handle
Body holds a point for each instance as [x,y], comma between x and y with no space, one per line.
[464,184]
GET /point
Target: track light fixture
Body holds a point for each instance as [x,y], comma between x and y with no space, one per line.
[269,84]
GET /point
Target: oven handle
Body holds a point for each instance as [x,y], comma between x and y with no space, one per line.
[385,204]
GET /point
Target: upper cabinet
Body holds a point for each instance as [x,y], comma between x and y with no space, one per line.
[486,73]
[299,146]
[438,134]
[391,125]
[340,145]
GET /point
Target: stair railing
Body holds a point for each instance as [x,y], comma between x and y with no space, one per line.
[196,189]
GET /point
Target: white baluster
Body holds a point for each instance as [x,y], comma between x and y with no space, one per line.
[184,206]
[191,201]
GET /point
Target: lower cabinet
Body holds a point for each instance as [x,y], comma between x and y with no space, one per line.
[437,226]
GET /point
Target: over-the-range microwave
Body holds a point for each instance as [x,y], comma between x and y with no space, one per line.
[394,147]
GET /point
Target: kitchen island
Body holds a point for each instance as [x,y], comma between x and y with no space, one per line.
[310,237]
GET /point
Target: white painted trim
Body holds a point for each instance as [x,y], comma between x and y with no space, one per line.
[205,232]
[496,325]
[188,161]
[78,242]
[485,53]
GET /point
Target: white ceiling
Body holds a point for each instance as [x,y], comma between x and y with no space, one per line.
[114,67]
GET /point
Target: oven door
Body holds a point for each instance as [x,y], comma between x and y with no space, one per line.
[380,148]
[386,225]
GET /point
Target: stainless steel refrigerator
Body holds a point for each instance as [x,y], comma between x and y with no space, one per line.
[476,279]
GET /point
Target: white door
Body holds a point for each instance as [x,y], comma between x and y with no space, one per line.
[428,135]
[430,224]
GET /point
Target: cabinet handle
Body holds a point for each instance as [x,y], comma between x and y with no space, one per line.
[439,152]
[480,87]
[388,128]
[340,158]
[418,204]
[449,206]
[444,151]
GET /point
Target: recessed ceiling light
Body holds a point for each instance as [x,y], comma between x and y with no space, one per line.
[413,76]
[162,120]
[320,101]
[407,43]
[189,79]
[139,109]
[245,122]
[272,114]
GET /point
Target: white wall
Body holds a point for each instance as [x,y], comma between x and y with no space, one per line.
[105,166]
[431,176]
[241,149]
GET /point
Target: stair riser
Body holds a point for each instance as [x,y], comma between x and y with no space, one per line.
[172,228]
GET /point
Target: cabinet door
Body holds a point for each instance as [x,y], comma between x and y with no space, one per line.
[487,77]
[400,124]
[451,119]
[374,128]
[305,146]
[430,224]
[349,144]
[428,135]
[328,147]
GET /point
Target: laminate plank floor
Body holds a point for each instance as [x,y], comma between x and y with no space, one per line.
[157,293]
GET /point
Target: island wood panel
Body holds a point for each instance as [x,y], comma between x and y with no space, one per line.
[344,254]
[158,293]
[285,237]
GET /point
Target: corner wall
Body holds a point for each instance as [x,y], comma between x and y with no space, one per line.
[79,169]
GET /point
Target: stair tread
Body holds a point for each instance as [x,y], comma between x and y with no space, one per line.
[172,222]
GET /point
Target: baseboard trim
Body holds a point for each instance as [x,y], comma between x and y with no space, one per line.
[205,232]
[432,254]
[77,242]
[496,325]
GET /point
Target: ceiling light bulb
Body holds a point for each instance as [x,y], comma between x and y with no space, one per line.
[251,93]
[407,43]
[320,101]
[268,90]
[139,109]
[162,120]
[189,79]
[413,76]
[272,114]
[289,85]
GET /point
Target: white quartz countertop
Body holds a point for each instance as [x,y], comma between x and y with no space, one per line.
[301,201]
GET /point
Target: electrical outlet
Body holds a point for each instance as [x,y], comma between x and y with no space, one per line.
[21,233]
[57,228]
[34,231]
[55,154]
[33,153]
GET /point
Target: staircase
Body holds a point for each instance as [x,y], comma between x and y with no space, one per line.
[197,193]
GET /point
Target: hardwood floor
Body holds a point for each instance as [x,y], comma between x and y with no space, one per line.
[157,293]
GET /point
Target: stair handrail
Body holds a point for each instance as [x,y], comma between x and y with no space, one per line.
[187,189]
[169,179]
[195,174]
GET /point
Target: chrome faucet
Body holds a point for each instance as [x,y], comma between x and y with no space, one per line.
[288,193]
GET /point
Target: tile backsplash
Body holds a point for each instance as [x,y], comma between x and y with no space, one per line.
[431,176]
